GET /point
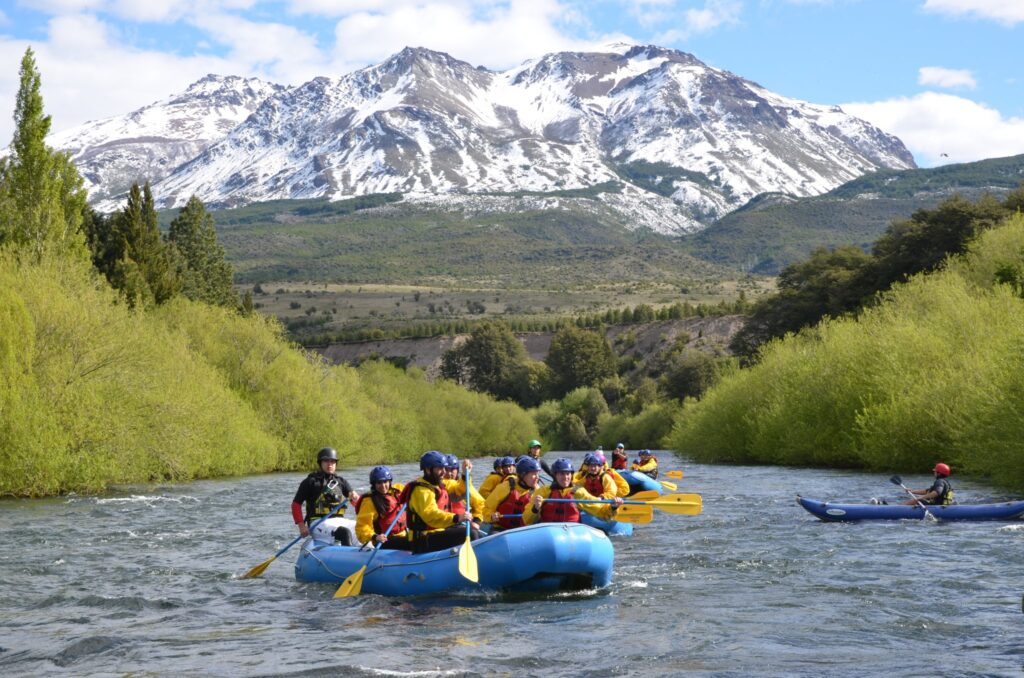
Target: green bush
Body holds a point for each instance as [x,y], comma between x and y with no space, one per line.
[933,372]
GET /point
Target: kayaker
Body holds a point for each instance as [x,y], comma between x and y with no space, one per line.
[621,485]
[595,479]
[619,459]
[561,487]
[533,450]
[647,464]
[321,491]
[513,495]
[940,493]
[432,524]
[376,510]
[503,468]
[476,502]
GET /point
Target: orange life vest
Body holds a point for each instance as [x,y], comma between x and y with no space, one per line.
[557,512]
[595,484]
[516,502]
[387,506]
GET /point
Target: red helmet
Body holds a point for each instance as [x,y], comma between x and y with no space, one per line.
[941,469]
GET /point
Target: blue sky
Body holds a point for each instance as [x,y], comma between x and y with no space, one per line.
[943,75]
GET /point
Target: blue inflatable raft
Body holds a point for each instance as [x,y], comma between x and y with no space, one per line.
[641,482]
[609,527]
[542,557]
[828,511]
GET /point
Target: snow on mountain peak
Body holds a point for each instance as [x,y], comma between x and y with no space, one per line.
[694,140]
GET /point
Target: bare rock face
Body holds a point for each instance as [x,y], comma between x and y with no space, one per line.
[683,143]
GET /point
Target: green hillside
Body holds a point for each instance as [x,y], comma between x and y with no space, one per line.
[770,234]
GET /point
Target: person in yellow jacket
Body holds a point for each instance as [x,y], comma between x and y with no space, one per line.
[432,524]
[647,463]
[476,500]
[513,495]
[378,509]
[621,486]
[503,468]
[561,487]
[594,479]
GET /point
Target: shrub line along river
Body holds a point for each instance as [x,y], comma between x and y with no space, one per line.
[143,581]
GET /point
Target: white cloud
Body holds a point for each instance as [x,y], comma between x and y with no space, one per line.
[714,14]
[1008,12]
[505,35]
[941,128]
[88,73]
[945,77]
[282,53]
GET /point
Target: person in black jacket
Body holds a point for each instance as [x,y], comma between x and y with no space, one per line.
[321,491]
[939,494]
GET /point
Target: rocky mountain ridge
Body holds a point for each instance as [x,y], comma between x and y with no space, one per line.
[677,143]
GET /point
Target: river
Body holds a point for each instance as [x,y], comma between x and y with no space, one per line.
[143,581]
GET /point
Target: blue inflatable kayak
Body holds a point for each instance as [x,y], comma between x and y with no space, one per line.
[609,527]
[1010,510]
[641,482]
[546,556]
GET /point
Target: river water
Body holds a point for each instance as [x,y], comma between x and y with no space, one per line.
[143,581]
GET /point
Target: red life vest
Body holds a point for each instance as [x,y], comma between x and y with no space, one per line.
[595,484]
[415,523]
[653,474]
[516,502]
[619,462]
[387,506]
[557,512]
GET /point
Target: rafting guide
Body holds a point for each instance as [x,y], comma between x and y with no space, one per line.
[321,492]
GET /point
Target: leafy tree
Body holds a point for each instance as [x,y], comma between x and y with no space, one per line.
[490,360]
[206,275]
[41,195]
[689,375]
[579,358]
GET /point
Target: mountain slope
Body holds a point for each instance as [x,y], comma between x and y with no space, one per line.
[680,142]
[774,231]
[149,143]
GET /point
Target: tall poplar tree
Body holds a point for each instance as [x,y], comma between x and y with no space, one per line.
[41,196]
[206,274]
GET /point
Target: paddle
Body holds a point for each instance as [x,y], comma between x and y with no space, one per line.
[259,569]
[645,495]
[674,474]
[354,583]
[626,514]
[467,558]
[679,504]
[672,487]
[896,480]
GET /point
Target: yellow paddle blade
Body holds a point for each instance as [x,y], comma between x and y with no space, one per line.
[646,495]
[259,569]
[671,487]
[674,474]
[467,562]
[634,513]
[352,585]
[679,504]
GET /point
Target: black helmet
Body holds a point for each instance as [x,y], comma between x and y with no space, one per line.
[327,454]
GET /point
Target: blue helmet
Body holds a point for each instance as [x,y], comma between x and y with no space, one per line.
[501,462]
[521,457]
[432,459]
[451,461]
[592,458]
[620,446]
[562,464]
[380,473]
[526,465]
[645,453]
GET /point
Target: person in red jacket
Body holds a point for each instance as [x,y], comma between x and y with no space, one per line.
[619,459]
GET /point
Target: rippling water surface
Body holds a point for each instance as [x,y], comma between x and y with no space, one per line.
[143,582]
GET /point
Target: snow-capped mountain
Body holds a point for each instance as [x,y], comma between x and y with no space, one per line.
[149,143]
[687,143]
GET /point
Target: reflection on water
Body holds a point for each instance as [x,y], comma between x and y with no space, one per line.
[144,581]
